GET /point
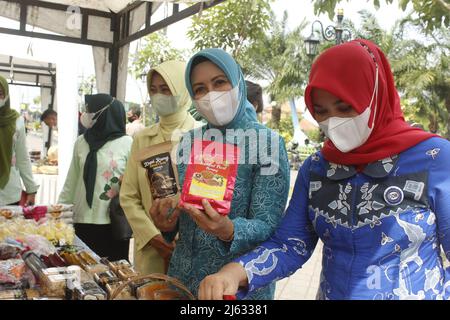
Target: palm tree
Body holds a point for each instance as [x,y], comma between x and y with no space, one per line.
[279,58]
[420,66]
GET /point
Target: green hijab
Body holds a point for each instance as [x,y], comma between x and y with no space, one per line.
[8,119]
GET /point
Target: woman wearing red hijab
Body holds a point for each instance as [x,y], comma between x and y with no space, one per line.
[377,194]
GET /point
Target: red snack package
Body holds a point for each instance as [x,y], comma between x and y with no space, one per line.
[211,174]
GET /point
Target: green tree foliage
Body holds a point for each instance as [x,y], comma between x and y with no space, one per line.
[420,65]
[279,58]
[87,85]
[232,25]
[285,128]
[434,14]
[156,49]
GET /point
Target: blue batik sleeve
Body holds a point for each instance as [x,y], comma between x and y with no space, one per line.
[291,245]
[439,194]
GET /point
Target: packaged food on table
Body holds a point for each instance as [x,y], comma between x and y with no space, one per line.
[87,258]
[124,294]
[115,265]
[211,174]
[9,212]
[96,268]
[147,291]
[12,271]
[161,169]
[56,260]
[127,273]
[52,208]
[54,285]
[105,278]
[34,263]
[34,212]
[89,290]
[13,295]
[8,251]
[38,244]
[168,294]
[54,280]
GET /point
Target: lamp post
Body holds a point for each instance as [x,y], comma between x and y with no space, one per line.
[336,33]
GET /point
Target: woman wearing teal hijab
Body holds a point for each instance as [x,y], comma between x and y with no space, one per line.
[14,159]
[207,241]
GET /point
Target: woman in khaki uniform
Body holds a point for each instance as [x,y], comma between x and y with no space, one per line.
[170,99]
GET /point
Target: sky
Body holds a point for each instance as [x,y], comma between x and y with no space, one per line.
[81,56]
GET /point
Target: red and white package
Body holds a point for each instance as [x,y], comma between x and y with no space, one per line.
[211,174]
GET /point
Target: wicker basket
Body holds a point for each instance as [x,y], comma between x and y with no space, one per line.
[170,285]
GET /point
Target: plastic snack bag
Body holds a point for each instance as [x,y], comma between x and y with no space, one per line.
[160,168]
[211,174]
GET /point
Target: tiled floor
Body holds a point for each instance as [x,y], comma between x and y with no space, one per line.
[303,284]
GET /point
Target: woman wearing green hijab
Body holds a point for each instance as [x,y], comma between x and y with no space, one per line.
[170,99]
[208,240]
[14,158]
[99,159]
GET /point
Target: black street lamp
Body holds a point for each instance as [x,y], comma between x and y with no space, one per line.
[337,33]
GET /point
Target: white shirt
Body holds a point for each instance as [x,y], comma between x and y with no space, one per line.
[134,127]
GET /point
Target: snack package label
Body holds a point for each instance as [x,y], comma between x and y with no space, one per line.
[160,175]
[211,174]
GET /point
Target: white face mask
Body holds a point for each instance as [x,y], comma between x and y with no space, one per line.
[349,133]
[164,105]
[87,118]
[3,101]
[219,107]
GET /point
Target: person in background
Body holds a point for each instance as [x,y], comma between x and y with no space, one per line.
[99,159]
[135,124]
[170,99]
[15,165]
[377,194]
[255,96]
[208,240]
[50,118]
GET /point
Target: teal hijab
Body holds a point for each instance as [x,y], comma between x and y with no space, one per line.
[246,111]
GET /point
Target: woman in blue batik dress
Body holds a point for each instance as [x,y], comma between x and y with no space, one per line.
[377,194]
[207,240]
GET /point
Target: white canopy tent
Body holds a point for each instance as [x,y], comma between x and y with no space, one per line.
[108,26]
[25,72]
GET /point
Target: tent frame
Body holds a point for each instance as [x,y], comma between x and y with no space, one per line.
[119,25]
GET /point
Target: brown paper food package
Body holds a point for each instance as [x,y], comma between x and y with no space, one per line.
[161,170]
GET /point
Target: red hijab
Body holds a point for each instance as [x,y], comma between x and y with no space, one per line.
[348,72]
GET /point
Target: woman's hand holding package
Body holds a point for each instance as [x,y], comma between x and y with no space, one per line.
[165,214]
[211,221]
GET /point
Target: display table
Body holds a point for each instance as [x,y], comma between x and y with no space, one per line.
[48,188]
